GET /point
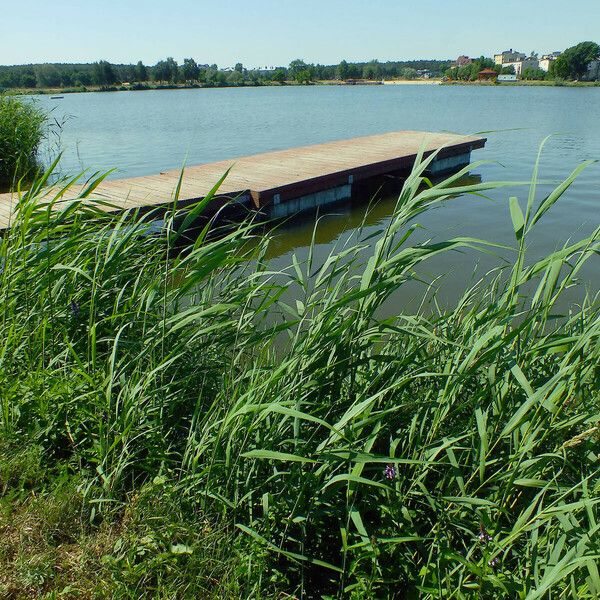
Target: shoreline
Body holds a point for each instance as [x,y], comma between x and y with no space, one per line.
[194,86]
[387,82]
[412,82]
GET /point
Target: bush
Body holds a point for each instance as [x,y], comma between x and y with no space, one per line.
[533,75]
[22,129]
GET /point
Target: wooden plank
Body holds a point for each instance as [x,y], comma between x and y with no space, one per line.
[291,172]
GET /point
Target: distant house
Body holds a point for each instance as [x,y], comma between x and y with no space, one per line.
[462,61]
[508,57]
[424,73]
[487,75]
[530,62]
[547,60]
[507,77]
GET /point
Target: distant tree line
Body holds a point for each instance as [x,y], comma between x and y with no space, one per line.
[373,70]
[572,64]
[169,72]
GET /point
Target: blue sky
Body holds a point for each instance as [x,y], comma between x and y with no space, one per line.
[273,32]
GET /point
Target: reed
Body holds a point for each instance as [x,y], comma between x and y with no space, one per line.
[22,129]
[317,448]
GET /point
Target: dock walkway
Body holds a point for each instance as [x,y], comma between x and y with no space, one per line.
[285,181]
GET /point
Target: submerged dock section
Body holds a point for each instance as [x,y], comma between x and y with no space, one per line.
[282,183]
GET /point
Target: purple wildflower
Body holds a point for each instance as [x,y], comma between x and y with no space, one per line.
[75,309]
[484,536]
[390,472]
[494,562]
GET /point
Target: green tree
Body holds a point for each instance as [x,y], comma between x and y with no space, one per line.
[372,70]
[210,76]
[303,76]
[463,73]
[354,71]
[239,67]
[278,76]
[235,78]
[160,71]
[166,70]
[342,70]
[141,72]
[28,80]
[409,73]
[533,74]
[83,77]
[104,74]
[190,70]
[574,61]
[109,73]
[296,66]
[47,76]
[173,69]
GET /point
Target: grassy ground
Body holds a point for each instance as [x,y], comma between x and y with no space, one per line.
[172,427]
[153,543]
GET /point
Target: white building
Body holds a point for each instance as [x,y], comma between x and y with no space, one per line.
[519,66]
[547,60]
[508,56]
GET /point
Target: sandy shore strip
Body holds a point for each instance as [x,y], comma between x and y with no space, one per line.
[412,81]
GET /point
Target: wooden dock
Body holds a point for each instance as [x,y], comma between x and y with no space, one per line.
[286,181]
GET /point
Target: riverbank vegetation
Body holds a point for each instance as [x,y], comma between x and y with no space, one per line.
[22,130]
[173,425]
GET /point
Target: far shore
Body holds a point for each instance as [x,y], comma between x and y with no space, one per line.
[119,87]
[186,86]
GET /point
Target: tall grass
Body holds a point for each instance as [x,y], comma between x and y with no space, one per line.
[22,127]
[427,455]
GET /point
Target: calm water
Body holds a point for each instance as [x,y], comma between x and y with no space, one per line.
[146,132]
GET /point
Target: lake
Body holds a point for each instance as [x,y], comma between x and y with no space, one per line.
[146,132]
